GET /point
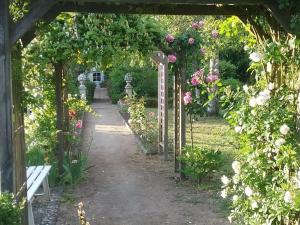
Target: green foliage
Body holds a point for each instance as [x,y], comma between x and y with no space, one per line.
[90,90]
[234,84]
[227,70]
[144,124]
[10,210]
[144,81]
[74,168]
[199,162]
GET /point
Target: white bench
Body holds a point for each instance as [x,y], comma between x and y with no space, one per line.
[36,176]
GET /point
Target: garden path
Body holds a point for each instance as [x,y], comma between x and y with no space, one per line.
[125,187]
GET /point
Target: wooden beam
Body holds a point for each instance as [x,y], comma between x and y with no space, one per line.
[282,16]
[172,2]
[36,12]
[178,9]
[6,128]
[49,16]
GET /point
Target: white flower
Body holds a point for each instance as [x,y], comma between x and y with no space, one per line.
[31,116]
[279,142]
[284,129]
[263,97]
[253,113]
[236,166]
[230,219]
[235,198]
[224,193]
[238,129]
[254,205]
[288,197]
[225,180]
[271,86]
[248,191]
[246,88]
[269,67]
[246,48]
[252,102]
[255,57]
[235,179]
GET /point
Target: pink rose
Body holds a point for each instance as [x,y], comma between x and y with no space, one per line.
[197,25]
[202,51]
[215,34]
[199,73]
[212,78]
[172,58]
[170,38]
[195,81]
[151,114]
[201,24]
[187,99]
[191,41]
[79,124]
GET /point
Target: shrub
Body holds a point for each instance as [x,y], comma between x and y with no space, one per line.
[10,210]
[90,90]
[233,83]
[227,70]
[144,82]
[199,162]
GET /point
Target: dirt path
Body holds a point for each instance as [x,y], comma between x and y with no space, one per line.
[125,187]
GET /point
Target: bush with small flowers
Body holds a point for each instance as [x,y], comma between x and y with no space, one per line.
[265,187]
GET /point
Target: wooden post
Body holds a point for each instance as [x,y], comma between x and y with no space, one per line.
[179,118]
[6,127]
[58,76]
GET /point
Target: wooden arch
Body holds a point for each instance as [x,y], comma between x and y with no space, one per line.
[47,10]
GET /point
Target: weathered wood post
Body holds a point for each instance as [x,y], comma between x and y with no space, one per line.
[6,127]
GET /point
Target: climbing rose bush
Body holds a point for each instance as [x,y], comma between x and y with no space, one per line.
[265,187]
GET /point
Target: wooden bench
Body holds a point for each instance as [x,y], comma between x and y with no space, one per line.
[36,176]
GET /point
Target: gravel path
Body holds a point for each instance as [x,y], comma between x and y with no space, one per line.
[125,187]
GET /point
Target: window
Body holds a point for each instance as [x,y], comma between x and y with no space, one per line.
[96,76]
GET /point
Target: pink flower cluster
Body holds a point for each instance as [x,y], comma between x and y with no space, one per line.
[170,38]
[212,78]
[191,41]
[215,34]
[202,51]
[197,77]
[198,25]
[187,99]
[79,124]
[172,58]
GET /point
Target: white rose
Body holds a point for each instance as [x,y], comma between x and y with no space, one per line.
[225,180]
[252,102]
[236,166]
[279,142]
[256,57]
[254,205]
[246,48]
[284,129]
[248,191]
[224,193]
[235,198]
[246,88]
[288,197]
[238,129]
[235,179]
[269,67]
[271,86]
[263,97]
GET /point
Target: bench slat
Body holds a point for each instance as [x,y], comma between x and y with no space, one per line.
[29,171]
[42,174]
[33,176]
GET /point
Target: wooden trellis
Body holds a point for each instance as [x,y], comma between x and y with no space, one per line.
[162,63]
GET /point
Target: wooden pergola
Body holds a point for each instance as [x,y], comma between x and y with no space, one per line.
[12,155]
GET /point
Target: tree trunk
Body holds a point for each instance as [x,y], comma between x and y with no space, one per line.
[58,76]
